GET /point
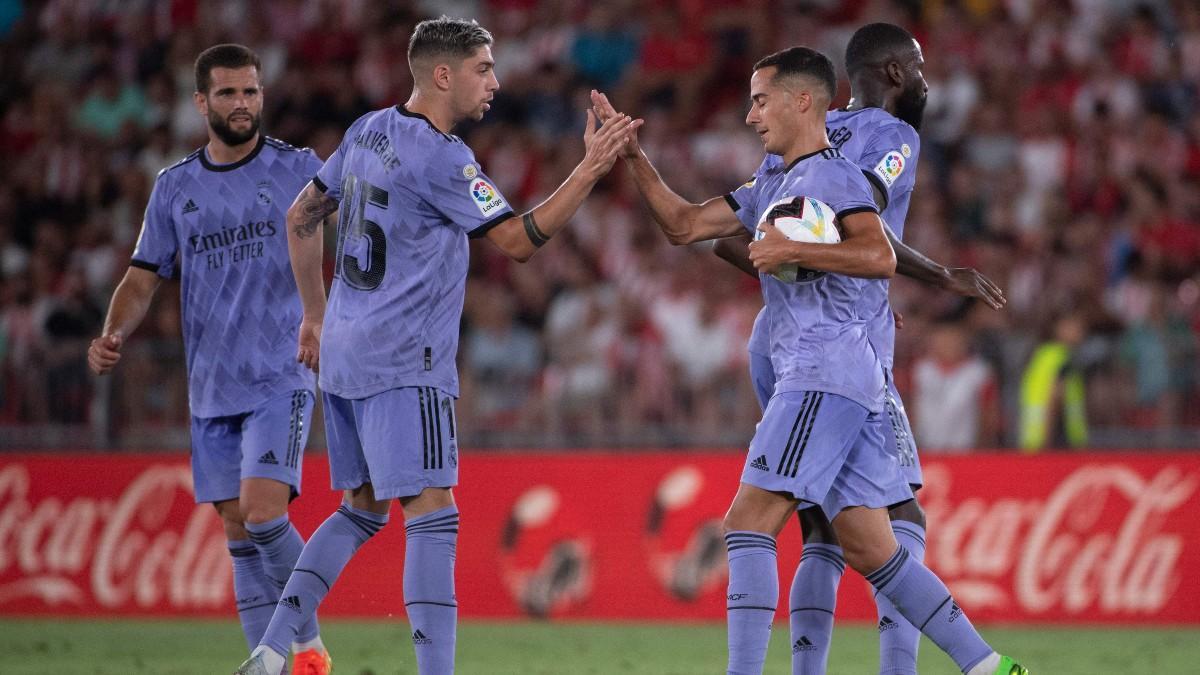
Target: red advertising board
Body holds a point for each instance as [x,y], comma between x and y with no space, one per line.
[1088,538]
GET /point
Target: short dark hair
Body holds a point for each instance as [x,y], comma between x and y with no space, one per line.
[446,37]
[802,61]
[222,56]
[874,44]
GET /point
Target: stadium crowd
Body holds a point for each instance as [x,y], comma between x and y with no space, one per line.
[1060,156]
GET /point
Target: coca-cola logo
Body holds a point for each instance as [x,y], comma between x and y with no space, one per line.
[1095,544]
[149,546]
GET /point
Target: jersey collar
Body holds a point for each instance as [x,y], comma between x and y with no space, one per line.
[262,139]
[416,115]
[801,158]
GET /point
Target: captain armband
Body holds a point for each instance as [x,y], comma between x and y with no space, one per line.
[536,236]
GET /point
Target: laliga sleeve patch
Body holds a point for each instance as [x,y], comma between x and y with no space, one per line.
[486,197]
[890,167]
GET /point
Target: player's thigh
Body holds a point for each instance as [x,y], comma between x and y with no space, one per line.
[901,442]
[762,377]
[274,436]
[409,441]
[866,537]
[216,458]
[802,442]
[347,464]
[870,477]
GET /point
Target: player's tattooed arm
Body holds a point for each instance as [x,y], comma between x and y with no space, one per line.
[309,211]
[965,281]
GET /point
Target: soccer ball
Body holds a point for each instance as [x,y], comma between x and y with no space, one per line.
[801,219]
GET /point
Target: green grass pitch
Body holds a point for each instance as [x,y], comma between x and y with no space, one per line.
[82,647]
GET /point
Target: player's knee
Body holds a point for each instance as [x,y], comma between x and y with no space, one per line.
[909,511]
[865,557]
[258,511]
[231,520]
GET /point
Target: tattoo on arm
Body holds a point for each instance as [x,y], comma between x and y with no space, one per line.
[310,208]
[536,236]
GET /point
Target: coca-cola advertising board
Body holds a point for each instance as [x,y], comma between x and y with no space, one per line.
[1087,538]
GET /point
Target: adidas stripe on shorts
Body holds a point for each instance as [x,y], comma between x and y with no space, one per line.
[824,449]
[267,442]
[401,441]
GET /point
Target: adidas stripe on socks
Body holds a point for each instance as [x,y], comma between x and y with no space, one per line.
[279,544]
[926,602]
[320,564]
[811,604]
[750,600]
[430,547]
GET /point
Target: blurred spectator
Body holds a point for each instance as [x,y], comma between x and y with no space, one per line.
[1053,398]
[955,395]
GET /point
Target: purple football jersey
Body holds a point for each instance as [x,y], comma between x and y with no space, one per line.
[818,339]
[409,197]
[885,148]
[225,226]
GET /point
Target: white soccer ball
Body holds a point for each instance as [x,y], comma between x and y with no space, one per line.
[803,219]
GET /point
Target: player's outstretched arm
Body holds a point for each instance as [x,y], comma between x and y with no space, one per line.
[521,236]
[128,307]
[965,281]
[682,221]
[864,250]
[305,218]
[735,251]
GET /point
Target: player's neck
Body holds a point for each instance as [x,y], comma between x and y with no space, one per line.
[220,153]
[810,140]
[437,114]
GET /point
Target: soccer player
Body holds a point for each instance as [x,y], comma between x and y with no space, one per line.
[876,131]
[821,437]
[220,213]
[410,196]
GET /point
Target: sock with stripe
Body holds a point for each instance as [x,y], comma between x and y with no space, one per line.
[320,563]
[899,639]
[254,594]
[811,605]
[921,597]
[279,544]
[430,544]
[751,598]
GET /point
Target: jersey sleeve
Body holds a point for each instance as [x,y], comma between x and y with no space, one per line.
[467,199]
[846,189]
[328,178]
[311,164]
[157,245]
[889,160]
[744,199]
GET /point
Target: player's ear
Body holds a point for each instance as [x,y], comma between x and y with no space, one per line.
[201,102]
[441,76]
[895,73]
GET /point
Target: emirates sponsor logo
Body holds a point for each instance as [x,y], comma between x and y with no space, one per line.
[126,552]
[1096,544]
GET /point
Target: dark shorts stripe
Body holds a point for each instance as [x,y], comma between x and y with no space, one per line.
[783,459]
[808,427]
[424,428]
[437,418]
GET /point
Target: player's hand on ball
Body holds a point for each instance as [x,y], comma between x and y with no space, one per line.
[602,145]
[604,111]
[104,352]
[968,282]
[309,351]
[771,251]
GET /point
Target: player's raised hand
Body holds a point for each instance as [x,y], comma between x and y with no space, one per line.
[104,352]
[602,145]
[968,282]
[604,111]
[771,251]
[309,347]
